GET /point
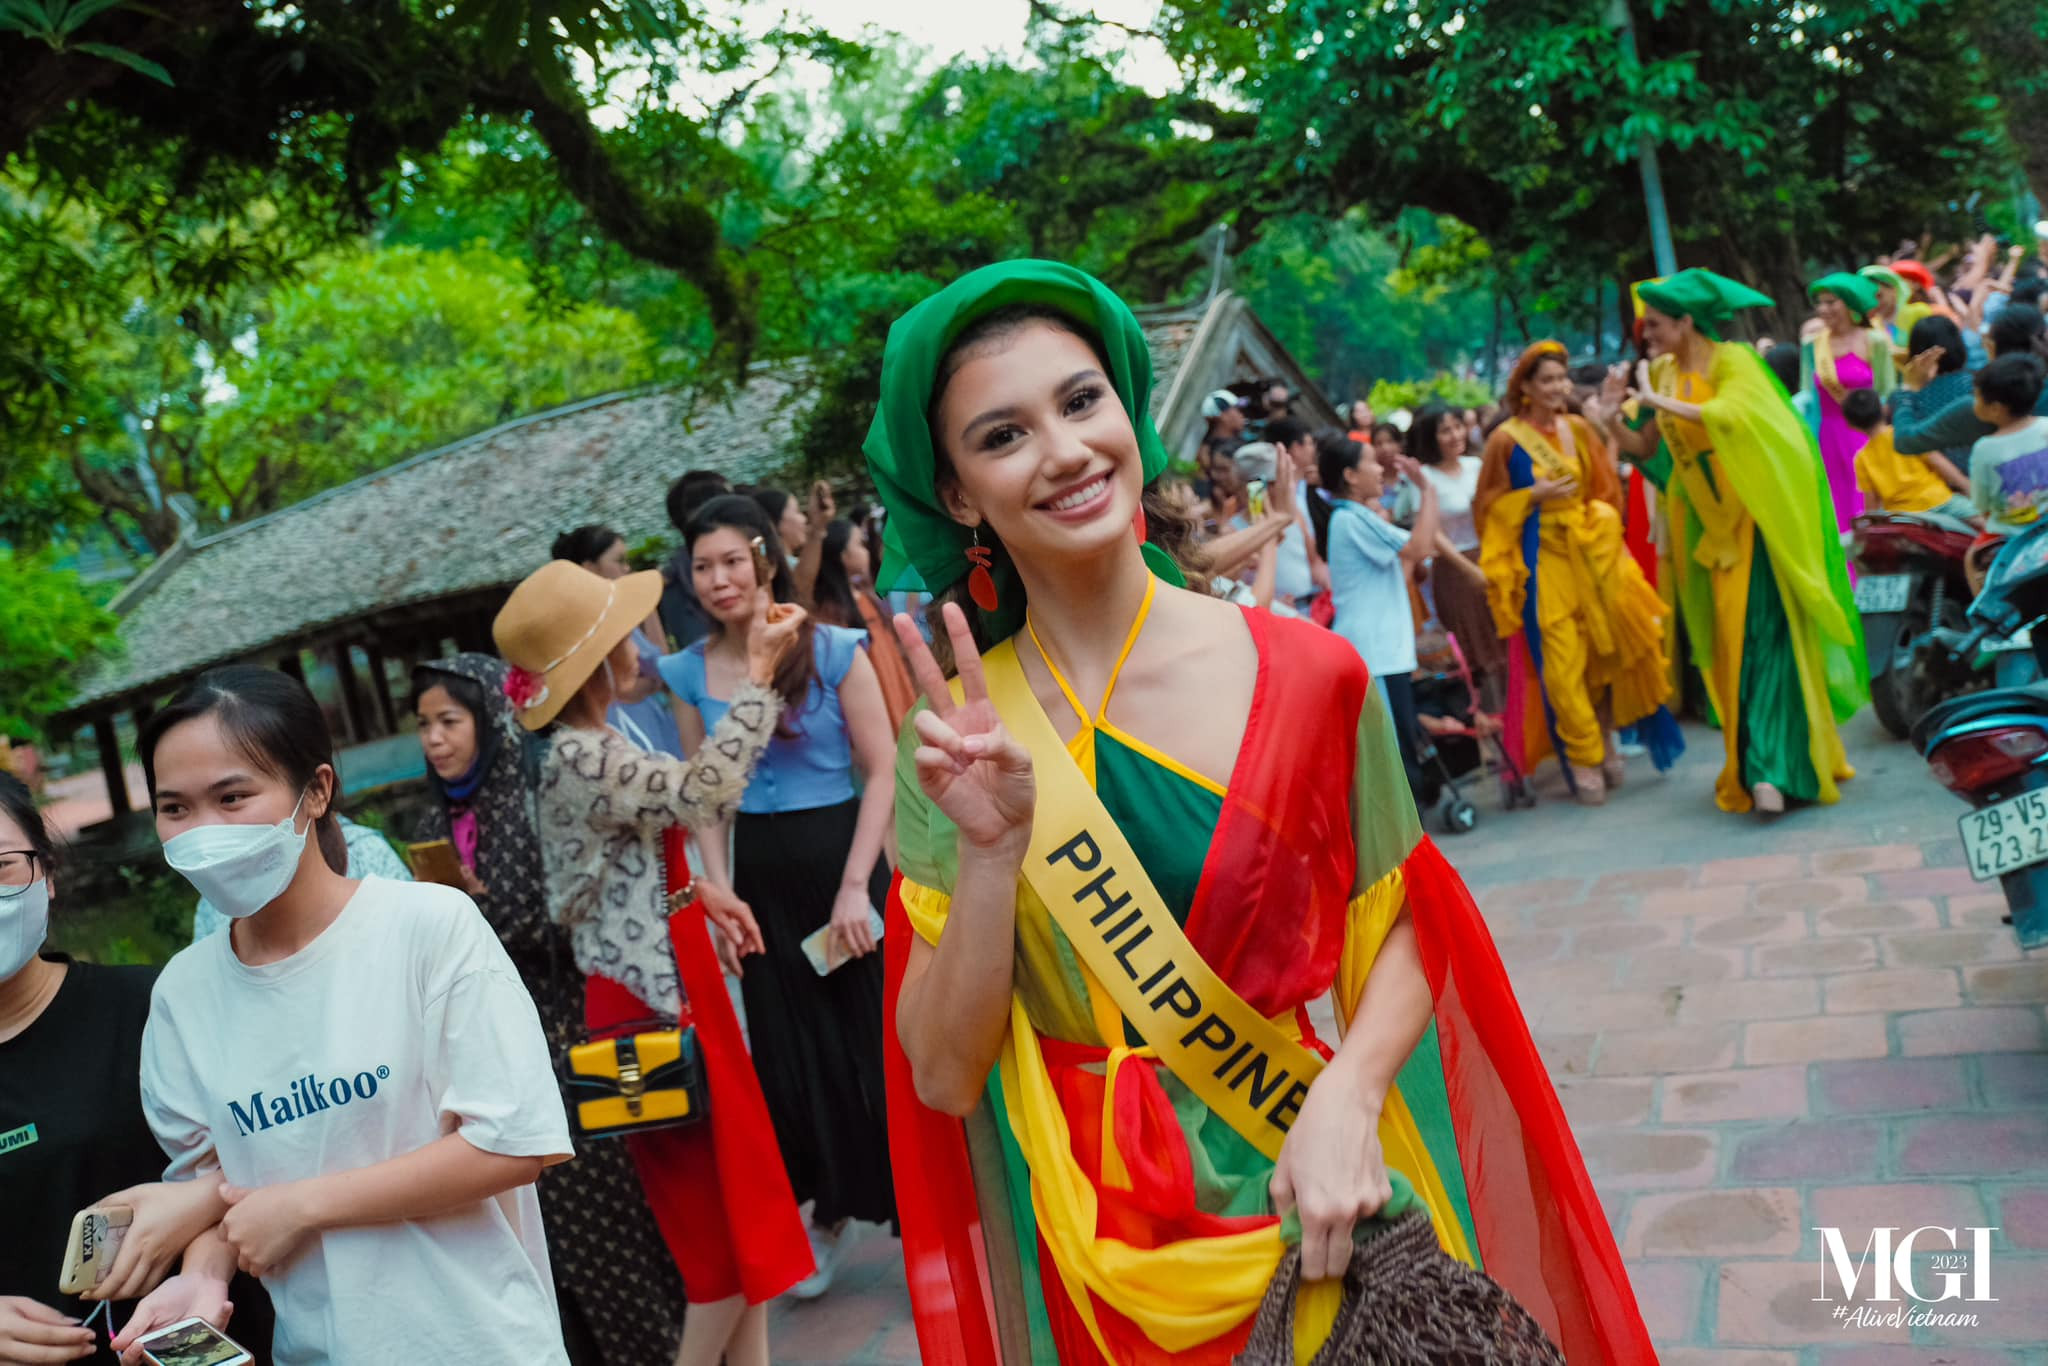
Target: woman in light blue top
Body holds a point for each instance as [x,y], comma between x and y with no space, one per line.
[807,857]
[1370,561]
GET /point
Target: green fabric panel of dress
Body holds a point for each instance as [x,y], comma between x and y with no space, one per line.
[1170,822]
[1695,590]
[1421,1084]
[1384,822]
[1024,1226]
[1232,1178]
[1657,466]
[1774,738]
[927,844]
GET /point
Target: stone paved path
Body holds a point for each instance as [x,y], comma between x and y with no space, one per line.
[1757,1028]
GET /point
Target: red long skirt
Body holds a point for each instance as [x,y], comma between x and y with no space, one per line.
[729,1237]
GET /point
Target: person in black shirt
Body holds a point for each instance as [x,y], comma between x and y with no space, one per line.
[72,1134]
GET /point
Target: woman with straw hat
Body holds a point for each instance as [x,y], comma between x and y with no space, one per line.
[606,815]
[1761,581]
[1138,833]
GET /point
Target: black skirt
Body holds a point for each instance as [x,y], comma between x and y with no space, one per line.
[817,1041]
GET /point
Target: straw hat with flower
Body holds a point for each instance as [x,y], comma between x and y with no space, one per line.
[558,626]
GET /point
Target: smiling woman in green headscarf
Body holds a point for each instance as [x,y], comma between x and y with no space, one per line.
[1762,583]
[1848,353]
[1226,783]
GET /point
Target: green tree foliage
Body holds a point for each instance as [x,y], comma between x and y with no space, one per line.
[383,354]
[333,98]
[152,354]
[1365,305]
[1791,134]
[1410,185]
[49,625]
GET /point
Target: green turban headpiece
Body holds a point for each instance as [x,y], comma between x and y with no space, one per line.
[922,546]
[1710,300]
[1855,291]
[1902,293]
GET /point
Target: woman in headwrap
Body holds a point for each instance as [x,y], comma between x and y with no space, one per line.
[1761,580]
[1847,353]
[1904,296]
[1139,832]
[1587,628]
[620,1297]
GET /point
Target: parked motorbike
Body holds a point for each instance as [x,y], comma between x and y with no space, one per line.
[1991,748]
[1910,580]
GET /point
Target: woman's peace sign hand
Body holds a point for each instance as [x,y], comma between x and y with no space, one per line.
[966,762]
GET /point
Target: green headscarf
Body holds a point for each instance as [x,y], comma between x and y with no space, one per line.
[1855,291]
[1710,300]
[922,546]
[1902,293]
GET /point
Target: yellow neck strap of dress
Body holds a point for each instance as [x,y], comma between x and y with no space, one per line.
[1101,714]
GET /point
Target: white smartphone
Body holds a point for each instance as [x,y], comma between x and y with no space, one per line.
[193,1342]
[826,956]
[95,1241]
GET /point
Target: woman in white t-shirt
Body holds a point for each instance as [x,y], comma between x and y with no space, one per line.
[1439,441]
[356,1062]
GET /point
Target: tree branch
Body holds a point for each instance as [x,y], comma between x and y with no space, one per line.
[1054,17]
[681,234]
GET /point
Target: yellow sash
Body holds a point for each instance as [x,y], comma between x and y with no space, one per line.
[1550,462]
[1239,1063]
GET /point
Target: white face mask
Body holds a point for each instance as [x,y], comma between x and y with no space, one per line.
[24,922]
[240,868]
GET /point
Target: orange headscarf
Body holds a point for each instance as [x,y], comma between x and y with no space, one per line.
[1525,366]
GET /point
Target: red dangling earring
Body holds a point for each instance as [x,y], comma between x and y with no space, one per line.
[981,585]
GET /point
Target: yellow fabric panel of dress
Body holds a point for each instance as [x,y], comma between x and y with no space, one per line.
[1500,559]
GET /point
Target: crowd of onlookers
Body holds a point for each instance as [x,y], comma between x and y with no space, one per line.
[1922,382]
[355,1078]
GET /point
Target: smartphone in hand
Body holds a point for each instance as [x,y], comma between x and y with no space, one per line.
[95,1241]
[825,952]
[764,569]
[435,861]
[193,1342]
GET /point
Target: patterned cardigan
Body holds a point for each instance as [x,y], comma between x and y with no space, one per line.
[603,807]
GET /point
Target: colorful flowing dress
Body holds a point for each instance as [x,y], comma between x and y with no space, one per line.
[1586,627]
[1093,1208]
[1761,579]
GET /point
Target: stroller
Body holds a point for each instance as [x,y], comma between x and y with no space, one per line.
[1462,740]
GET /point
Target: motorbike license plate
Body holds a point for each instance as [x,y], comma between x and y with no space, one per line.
[1883,592]
[2006,837]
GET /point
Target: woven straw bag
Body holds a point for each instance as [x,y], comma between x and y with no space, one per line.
[1406,1303]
